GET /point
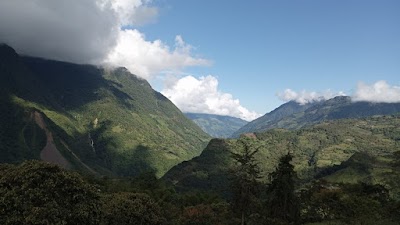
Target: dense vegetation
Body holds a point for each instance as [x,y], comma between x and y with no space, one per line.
[215,125]
[41,193]
[105,121]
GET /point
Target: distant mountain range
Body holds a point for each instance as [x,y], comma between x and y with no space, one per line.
[215,125]
[293,115]
[98,120]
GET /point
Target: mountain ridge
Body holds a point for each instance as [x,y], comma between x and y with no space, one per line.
[292,115]
[114,121]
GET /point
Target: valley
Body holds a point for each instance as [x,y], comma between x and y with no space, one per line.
[217,126]
[149,112]
[105,128]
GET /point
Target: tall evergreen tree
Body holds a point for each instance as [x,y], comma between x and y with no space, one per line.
[245,182]
[282,203]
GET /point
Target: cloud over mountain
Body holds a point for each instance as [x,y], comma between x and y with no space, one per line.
[304,97]
[148,58]
[107,32]
[202,96]
[380,91]
[92,31]
[76,31]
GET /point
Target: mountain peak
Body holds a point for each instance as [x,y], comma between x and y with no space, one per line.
[7,53]
[343,98]
[6,46]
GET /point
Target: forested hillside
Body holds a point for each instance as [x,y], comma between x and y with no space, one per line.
[105,121]
[349,150]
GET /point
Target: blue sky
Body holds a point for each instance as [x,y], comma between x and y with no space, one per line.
[259,48]
[238,58]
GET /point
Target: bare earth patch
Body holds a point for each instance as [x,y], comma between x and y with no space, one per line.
[50,152]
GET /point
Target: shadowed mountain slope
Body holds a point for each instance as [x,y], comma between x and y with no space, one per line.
[110,119]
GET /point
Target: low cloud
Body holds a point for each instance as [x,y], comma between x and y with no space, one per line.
[304,97]
[202,96]
[92,31]
[380,91]
[76,31]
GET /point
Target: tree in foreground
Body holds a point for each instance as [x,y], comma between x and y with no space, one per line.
[282,205]
[245,181]
[41,193]
[131,209]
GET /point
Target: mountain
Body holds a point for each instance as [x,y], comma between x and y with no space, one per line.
[293,115]
[269,119]
[98,120]
[346,150]
[215,125]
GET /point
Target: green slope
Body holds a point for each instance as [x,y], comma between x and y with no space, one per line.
[215,125]
[292,115]
[371,169]
[318,151]
[108,119]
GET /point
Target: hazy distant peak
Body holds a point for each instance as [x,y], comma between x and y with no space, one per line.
[217,125]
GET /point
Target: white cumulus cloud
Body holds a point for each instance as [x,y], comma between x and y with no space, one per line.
[380,91]
[202,96]
[304,97]
[148,58]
